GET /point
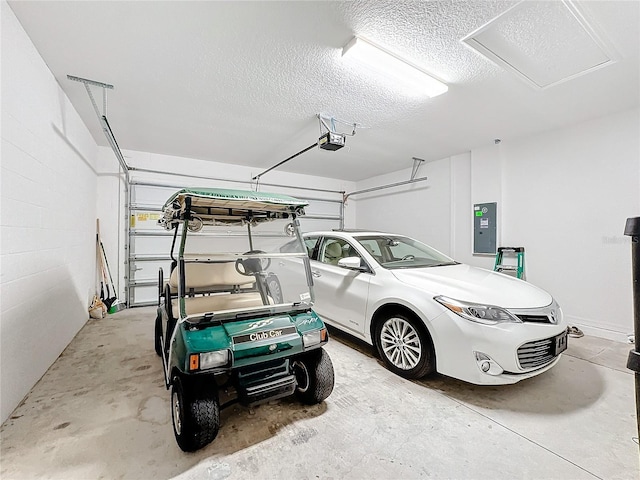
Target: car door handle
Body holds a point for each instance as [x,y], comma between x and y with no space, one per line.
[315,273]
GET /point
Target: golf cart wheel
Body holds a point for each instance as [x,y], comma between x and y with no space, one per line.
[195,411]
[404,346]
[314,375]
[158,335]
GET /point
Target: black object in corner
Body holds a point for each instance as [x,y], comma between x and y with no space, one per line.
[632,229]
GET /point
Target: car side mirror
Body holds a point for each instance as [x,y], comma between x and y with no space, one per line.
[352,263]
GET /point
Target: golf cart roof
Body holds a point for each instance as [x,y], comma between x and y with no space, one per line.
[219,206]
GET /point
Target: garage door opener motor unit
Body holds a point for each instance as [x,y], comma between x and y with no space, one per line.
[331,141]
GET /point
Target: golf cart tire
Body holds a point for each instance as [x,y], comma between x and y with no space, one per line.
[315,376]
[158,336]
[196,416]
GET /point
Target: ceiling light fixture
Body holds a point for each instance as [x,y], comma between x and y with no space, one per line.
[388,64]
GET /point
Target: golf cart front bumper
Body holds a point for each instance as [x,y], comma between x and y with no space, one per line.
[272,380]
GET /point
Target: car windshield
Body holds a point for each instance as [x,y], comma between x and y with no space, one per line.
[392,251]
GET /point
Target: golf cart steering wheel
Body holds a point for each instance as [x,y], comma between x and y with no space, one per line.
[250,266]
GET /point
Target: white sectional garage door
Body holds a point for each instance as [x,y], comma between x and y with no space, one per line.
[149,245]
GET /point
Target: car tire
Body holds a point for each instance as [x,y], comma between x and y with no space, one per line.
[404,346]
[315,376]
[195,413]
[274,288]
[158,336]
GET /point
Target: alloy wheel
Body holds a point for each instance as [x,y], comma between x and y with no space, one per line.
[400,343]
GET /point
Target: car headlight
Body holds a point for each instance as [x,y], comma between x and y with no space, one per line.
[207,360]
[314,338]
[486,314]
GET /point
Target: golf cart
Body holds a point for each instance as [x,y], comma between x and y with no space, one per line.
[235,314]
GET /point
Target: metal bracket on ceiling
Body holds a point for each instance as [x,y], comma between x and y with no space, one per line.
[104,87]
[417,163]
[346,196]
[329,123]
[102,118]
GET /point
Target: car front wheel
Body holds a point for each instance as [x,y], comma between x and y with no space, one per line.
[195,411]
[405,347]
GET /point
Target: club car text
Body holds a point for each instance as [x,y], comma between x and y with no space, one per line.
[264,335]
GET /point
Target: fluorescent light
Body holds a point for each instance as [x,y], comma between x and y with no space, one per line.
[389,65]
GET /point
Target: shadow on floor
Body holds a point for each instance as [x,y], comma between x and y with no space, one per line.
[571,385]
[104,402]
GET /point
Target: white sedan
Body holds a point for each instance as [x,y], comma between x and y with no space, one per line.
[425,312]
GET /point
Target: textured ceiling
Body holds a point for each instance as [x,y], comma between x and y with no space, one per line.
[242,82]
[546,42]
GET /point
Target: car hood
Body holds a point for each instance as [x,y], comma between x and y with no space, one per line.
[471,284]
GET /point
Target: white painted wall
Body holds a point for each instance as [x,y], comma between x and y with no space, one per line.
[239,176]
[567,195]
[461,220]
[47,217]
[421,210]
[563,195]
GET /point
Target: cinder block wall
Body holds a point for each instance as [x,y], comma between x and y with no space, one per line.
[47,219]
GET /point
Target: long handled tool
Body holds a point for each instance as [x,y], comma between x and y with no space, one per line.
[105,292]
[113,305]
[99,271]
[109,298]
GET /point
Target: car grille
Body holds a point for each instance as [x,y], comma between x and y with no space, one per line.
[536,354]
[534,318]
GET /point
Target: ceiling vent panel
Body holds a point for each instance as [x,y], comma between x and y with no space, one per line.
[543,43]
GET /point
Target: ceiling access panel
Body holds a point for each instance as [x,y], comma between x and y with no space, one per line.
[543,43]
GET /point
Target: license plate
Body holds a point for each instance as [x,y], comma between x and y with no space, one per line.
[560,343]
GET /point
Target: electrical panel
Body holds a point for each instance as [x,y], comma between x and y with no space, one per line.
[485,221]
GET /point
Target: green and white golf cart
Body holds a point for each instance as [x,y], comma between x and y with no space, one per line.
[235,314]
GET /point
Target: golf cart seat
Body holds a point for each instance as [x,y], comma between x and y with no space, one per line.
[213,287]
[218,302]
[210,277]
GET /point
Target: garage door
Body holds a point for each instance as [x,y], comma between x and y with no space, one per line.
[149,245]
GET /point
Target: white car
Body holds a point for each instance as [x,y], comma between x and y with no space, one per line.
[425,312]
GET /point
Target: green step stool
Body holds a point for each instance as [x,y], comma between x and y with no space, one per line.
[518,268]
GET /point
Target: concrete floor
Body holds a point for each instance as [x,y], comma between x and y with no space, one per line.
[101,411]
